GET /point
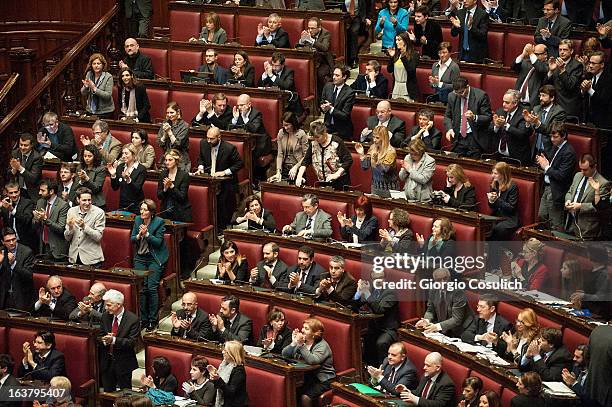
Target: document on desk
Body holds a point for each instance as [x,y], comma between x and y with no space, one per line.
[558,389]
[546,299]
[253,350]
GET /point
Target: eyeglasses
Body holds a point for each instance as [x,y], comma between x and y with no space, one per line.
[539,53]
[595,63]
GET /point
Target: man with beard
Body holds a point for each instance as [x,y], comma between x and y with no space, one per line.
[218,74]
[276,73]
[271,272]
[305,275]
[139,63]
[16,282]
[56,138]
[50,217]
[542,119]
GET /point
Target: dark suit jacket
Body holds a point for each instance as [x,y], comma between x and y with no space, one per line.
[555,113]
[10,381]
[522,400]
[247,78]
[567,85]
[536,79]
[600,343]
[385,303]
[479,327]
[176,198]
[279,273]
[220,76]
[406,375]
[380,91]
[506,205]
[396,126]
[23,222]
[282,339]
[241,330]
[200,327]
[269,223]
[235,390]
[478,102]
[433,141]
[343,106]
[64,306]
[561,172]
[368,232]
[125,342]
[280,40]
[517,137]
[20,279]
[600,104]
[56,223]
[477,35]
[344,291]
[227,158]
[459,316]
[433,33]
[285,81]
[550,370]
[560,30]
[141,65]
[66,145]
[145,7]
[312,280]
[324,60]
[53,365]
[466,197]
[263,143]
[223,121]
[441,392]
[32,174]
[131,194]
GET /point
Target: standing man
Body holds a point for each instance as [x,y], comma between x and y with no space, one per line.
[427,33]
[508,130]
[597,92]
[7,380]
[25,167]
[337,100]
[50,217]
[84,229]
[16,282]
[565,74]
[117,340]
[357,13]
[532,67]
[319,39]
[600,348]
[138,14]
[16,213]
[472,26]
[139,63]
[542,119]
[553,27]
[444,72]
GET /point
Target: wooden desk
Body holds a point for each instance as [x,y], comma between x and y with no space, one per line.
[348,393]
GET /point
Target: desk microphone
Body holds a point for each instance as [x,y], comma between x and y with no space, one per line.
[126,258]
[34,371]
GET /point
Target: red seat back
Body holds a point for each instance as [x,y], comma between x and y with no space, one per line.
[582,145]
[474,78]
[362,178]
[487,383]
[184,25]
[507,396]
[258,312]
[188,101]
[337,335]
[495,41]
[209,302]
[359,117]
[150,191]
[265,388]
[294,318]
[227,22]
[117,247]
[515,42]
[337,37]
[159,58]
[422,75]
[457,372]
[571,339]
[446,36]
[201,216]
[252,251]
[417,356]
[247,27]
[303,76]
[332,208]
[130,301]
[496,86]
[179,361]
[183,60]
[284,207]
[158,99]
[420,224]
[78,359]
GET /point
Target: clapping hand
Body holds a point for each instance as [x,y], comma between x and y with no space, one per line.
[212,372]
[375,373]
[420,240]
[147,381]
[44,296]
[235,112]
[455,21]
[112,168]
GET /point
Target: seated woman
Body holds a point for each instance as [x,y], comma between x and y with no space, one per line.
[199,387]
[472,386]
[292,144]
[174,134]
[529,269]
[309,345]
[381,158]
[212,33]
[527,330]
[275,335]
[133,100]
[441,242]
[231,266]
[529,386]
[402,64]
[425,131]
[98,88]
[362,226]
[145,153]
[459,192]
[230,378]
[489,399]
[162,378]
[241,70]
[400,238]
[92,174]
[571,278]
[150,253]
[417,171]
[128,177]
[173,189]
[255,216]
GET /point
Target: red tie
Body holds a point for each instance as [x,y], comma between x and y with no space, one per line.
[351,9]
[425,392]
[114,331]
[45,227]
[463,118]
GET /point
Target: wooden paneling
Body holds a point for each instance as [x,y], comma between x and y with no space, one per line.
[160,13]
[86,11]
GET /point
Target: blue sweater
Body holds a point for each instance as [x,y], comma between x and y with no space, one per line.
[389,30]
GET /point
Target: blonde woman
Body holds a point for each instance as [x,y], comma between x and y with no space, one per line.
[230,378]
[417,171]
[129,178]
[98,88]
[527,329]
[530,269]
[381,158]
[459,192]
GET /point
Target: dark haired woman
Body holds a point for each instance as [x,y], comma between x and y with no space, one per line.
[162,378]
[241,70]
[472,386]
[150,253]
[92,174]
[173,189]
[529,386]
[98,87]
[399,237]
[362,226]
[292,144]
[200,388]
[254,214]
[145,153]
[275,335]
[231,266]
[133,100]
[402,64]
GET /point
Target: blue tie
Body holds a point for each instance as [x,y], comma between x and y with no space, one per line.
[466,42]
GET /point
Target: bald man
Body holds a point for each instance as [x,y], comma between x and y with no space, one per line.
[384,117]
[139,63]
[436,388]
[531,66]
[191,322]
[92,306]
[54,300]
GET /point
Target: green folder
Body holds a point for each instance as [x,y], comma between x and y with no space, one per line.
[367,390]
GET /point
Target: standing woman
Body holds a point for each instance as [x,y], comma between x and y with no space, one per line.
[309,345]
[503,200]
[402,64]
[128,177]
[381,158]
[174,134]
[145,153]
[292,145]
[98,88]
[275,335]
[231,266]
[241,70]
[392,21]
[150,253]
[133,98]
[92,174]
[230,378]
[173,189]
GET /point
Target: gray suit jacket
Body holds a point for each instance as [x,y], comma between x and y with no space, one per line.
[219,37]
[447,79]
[320,354]
[86,242]
[56,223]
[104,93]
[586,222]
[561,29]
[310,5]
[459,316]
[322,226]
[418,181]
[567,85]
[94,316]
[556,113]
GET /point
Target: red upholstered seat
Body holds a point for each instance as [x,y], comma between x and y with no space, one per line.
[112,197]
[422,75]
[199,196]
[337,37]
[357,269]
[506,396]
[77,286]
[417,356]
[257,311]
[363,176]
[337,335]
[495,40]
[407,299]
[188,101]
[130,301]
[488,383]
[15,340]
[194,150]
[439,124]
[338,400]
[511,311]
[159,58]
[180,361]
[303,76]
[409,118]
[209,302]
[3,341]
[474,78]
[359,117]
[528,201]
[571,339]
[227,22]
[382,215]
[79,131]
[183,60]
[158,99]
[124,136]
[582,145]
[252,251]
[117,247]
[265,388]
[289,256]
[226,60]
[284,207]
[446,36]
[294,318]
[247,28]
[294,27]
[39,280]
[332,208]
[553,258]
[496,86]
[78,360]
[184,25]
[515,43]
[457,372]
[158,150]
[420,224]
[150,191]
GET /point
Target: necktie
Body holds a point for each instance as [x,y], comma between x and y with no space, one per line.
[425,392]
[54,302]
[114,331]
[309,223]
[334,95]
[213,161]
[464,109]
[45,227]
[550,24]
[539,141]
[525,86]
[442,306]
[594,82]
[351,9]
[583,184]
[503,143]
[66,189]
[392,377]
[466,29]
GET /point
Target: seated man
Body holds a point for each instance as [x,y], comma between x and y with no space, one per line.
[139,63]
[337,100]
[425,130]
[191,322]
[372,82]
[385,117]
[488,328]
[230,324]
[271,272]
[305,275]
[436,388]
[216,112]
[218,74]
[277,74]
[84,229]
[272,33]
[16,212]
[312,222]
[25,166]
[50,218]
[109,146]
[54,300]
[547,356]
[18,290]
[56,138]
[337,285]
[44,362]
[575,378]
[7,378]
[509,132]
[396,369]
[447,311]
[91,308]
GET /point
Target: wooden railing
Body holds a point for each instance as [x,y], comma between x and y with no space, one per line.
[7,99]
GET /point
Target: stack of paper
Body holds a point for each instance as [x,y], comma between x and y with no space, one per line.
[558,389]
